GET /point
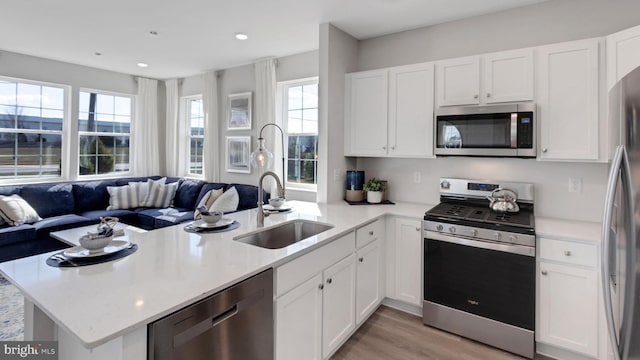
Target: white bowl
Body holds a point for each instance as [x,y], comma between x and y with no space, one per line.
[277,202]
[212,218]
[94,244]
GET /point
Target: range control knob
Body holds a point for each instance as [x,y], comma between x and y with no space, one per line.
[445,185]
[512,238]
[439,228]
[452,229]
[497,236]
[474,232]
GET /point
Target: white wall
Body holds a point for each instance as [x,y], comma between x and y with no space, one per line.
[548,22]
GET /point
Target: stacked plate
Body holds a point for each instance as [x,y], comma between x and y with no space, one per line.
[78,252]
[220,224]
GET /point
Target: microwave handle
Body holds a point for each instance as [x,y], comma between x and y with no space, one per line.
[514,130]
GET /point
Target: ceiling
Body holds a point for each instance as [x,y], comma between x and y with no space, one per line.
[198,35]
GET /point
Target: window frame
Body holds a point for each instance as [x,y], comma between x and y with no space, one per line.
[185,139]
[65,134]
[282,109]
[75,144]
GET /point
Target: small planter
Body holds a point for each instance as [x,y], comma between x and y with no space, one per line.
[374,197]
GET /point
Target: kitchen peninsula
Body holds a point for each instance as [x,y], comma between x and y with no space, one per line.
[102,311]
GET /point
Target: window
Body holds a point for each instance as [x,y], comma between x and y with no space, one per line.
[31,121]
[104,126]
[195,135]
[300,117]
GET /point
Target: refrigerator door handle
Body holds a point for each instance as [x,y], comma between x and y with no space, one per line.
[630,266]
[614,175]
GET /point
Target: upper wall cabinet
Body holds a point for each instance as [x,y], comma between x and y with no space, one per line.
[623,54]
[389,112]
[568,100]
[506,76]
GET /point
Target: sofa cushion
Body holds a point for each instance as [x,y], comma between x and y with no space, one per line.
[17,211]
[248,196]
[61,222]
[157,218]
[91,195]
[10,189]
[126,181]
[15,234]
[127,216]
[49,200]
[187,193]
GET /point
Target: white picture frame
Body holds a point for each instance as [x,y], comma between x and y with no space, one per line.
[238,154]
[239,111]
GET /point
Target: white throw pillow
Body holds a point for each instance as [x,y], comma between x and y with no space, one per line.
[227,202]
[122,197]
[207,200]
[16,211]
[143,188]
[160,195]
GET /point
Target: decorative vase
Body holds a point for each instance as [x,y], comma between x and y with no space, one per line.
[374,197]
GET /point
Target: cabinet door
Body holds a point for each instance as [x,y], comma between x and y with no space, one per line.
[508,76]
[568,308]
[568,100]
[458,81]
[366,117]
[338,304]
[368,280]
[623,54]
[299,322]
[411,111]
[408,261]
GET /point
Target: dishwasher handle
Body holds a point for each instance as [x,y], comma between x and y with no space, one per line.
[215,320]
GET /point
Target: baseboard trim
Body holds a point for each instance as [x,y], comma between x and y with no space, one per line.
[402,306]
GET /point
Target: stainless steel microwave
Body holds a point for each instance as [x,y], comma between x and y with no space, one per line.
[493,130]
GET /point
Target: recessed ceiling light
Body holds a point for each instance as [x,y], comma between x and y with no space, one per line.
[143,65]
[153,33]
[97,53]
[241,36]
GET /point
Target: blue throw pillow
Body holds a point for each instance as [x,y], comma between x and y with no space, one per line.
[187,193]
[49,200]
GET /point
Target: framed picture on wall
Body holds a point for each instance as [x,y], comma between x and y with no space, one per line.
[239,111]
[238,154]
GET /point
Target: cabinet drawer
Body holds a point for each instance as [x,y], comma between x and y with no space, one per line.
[369,232]
[568,252]
[299,270]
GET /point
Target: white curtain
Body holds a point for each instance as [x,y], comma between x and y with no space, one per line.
[173,132]
[145,140]
[265,102]
[211,128]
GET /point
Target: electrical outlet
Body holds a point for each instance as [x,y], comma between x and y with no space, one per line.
[337,174]
[417,177]
[575,185]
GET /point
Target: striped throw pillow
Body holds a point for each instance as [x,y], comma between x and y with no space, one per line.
[123,197]
[143,188]
[16,211]
[160,195]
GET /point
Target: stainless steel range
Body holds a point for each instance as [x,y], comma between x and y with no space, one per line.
[479,263]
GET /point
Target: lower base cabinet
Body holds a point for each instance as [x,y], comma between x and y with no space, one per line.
[338,304]
[368,280]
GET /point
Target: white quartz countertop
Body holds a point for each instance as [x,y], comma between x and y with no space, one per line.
[171,269]
[568,229]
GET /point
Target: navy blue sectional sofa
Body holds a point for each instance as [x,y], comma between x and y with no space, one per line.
[72,204]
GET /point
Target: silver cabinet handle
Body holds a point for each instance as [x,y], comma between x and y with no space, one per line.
[329,280]
[544,150]
[544,272]
[488,94]
[418,229]
[567,253]
[361,259]
[321,286]
[475,96]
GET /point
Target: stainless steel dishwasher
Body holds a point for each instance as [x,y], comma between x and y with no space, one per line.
[236,323]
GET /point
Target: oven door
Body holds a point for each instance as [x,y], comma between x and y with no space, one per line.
[495,281]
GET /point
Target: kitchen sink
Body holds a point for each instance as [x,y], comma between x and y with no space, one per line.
[284,234]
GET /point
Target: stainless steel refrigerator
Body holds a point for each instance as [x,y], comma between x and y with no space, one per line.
[621,224]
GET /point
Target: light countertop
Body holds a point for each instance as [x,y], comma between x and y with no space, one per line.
[172,269]
[568,229]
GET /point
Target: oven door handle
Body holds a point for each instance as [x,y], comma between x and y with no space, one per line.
[514,249]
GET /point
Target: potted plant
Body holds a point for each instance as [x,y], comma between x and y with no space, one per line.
[374,188]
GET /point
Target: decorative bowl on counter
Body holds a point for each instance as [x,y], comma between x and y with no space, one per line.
[95,243]
[277,202]
[211,217]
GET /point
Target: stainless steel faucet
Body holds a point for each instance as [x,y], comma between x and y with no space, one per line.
[261,196]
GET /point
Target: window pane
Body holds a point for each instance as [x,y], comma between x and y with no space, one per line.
[84,102]
[104,154]
[52,119]
[104,104]
[28,95]
[122,106]
[7,120]
[196,156]
[122,124]
[295,98]
[294,124]
[8,92]
[52,98]
[310,96]
[310,121]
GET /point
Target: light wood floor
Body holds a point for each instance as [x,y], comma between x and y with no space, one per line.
[393,334]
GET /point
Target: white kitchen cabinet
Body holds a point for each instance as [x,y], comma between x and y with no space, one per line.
[369,280]
[568,296]
[623,54]
[366,113]
[506,76]
[408,261]
[568,100]
[299,322]
[338,304]
[389,112]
